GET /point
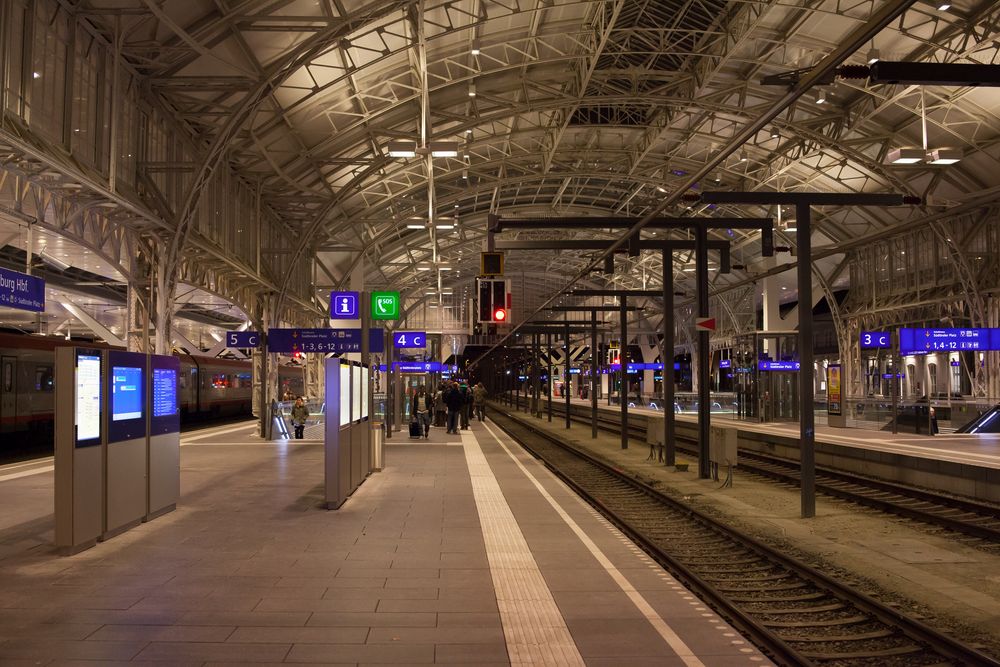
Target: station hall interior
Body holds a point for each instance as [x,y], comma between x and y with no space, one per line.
[500,332]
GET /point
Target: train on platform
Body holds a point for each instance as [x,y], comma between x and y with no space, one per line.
[210,389]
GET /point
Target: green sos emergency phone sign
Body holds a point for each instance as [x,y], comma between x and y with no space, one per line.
[385,306]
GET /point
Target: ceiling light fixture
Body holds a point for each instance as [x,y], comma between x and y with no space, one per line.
[443,148]
[402,149]
[416,225]
[775,133]
[821,95]
[743,155]
[472,89]
[445,227]
[905,156]
[475,47]
[873,56]
[944,6]
[944,156]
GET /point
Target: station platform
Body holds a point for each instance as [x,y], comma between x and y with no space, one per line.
[463,550]
[963,464]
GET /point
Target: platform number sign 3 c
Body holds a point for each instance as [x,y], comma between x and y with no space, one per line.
[385,305]
[875,339]
[402,339]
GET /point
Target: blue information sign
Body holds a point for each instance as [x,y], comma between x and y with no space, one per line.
[339,341]
[242,339]
[725,363]
[933,340]
[875,339]
[417,366]
[636,367]
[401,339]
[778,365]
[19,290]
[344,306]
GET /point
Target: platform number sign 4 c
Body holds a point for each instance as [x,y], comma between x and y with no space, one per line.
[402,339]
[385,305]
[344,306]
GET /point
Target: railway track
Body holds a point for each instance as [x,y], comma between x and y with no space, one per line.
[967,517]
[796,614]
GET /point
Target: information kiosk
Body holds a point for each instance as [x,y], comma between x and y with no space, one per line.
[164,435]
[79,448]
[126,449]
[346,438]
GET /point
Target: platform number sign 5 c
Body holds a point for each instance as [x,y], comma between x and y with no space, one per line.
[402,339]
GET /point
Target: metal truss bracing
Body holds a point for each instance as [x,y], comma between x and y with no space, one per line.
[240,140]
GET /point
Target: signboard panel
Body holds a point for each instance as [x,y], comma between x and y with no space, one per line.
[289,341]
[88,397]
[165,411]
[345,306]
[875,339]
[242,339]
[19,290]
[417,366]
[778,365]
[385,306]
[725,363]
[834,397]
[932,340]
[126,395]
[402,339]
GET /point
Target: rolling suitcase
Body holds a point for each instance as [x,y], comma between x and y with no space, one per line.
[416,429]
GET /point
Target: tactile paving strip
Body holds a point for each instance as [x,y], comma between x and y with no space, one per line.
[533,627]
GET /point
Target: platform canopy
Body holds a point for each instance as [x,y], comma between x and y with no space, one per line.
[381,134]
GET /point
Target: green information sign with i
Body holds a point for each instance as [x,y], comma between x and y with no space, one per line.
[385,305]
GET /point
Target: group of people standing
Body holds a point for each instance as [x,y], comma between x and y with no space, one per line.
[452,405]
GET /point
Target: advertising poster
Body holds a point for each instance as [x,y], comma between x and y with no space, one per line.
[834,395]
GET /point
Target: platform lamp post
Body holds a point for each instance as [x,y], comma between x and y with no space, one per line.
[803,201]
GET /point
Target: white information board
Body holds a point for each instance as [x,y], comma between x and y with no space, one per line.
[345,393]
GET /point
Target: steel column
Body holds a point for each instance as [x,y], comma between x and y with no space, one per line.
[548,373]
[566,381]
[623,359]
[807,428]
[594,375]
[667,357]
[536,379]
[704,412]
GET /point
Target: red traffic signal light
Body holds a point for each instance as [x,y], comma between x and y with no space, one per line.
[499,315]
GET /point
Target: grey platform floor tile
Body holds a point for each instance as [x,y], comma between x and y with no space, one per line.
[452,605]
[163,633]
[464,635]
[382,594]
[367,653]
[327,604]
[471,653]
[186,603]
[242,653]
[616,638]
[373,620]
[469,619]
[304,635]
[251,618]
[48,649]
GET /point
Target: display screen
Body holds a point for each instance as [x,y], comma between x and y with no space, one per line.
[932,340]
[126,393]
[356,391]
[88,396]
[164,392]
[365,378]
[345,394]
[778,365]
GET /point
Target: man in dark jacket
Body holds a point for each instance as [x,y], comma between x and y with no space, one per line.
[455,400]
[466,405]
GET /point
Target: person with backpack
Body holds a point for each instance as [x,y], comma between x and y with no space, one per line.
[455,400]
[421,406]
[300,413]
[479,397]
[466,405]
[440,406]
